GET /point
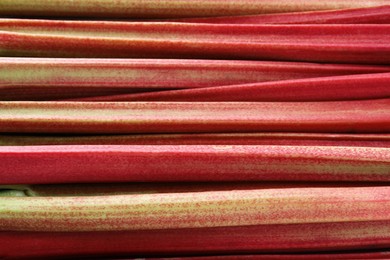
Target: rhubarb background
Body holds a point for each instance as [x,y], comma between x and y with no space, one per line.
[198,129]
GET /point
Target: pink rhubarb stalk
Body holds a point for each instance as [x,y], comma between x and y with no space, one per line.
[318,43]
[367,86]
[181,117]
[199,241]
[371,15]
[167,9]
[294,139]
[195,210]
[124,163]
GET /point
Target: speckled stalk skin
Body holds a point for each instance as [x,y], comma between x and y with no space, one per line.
[34,78]
[195,210]
[166,9]
[195,241]
[294,139]
[370,15]
[125,163]
[351,87]
[364,116]
[316,43]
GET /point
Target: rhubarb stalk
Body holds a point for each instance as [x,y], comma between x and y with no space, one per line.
[161,73]
[367,86]
[124,163]
[166,9]
[369,116]
[199,241]
[40,78]
[195,210]
[318,43]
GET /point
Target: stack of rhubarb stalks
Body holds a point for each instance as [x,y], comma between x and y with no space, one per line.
[199,129]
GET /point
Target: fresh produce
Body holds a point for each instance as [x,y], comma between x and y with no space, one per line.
[197,129]
[55,78]
[309,218]
[159,8]
[123,163]
[362,116]
[364,43]
[366,86]
[195,210]
[318,237]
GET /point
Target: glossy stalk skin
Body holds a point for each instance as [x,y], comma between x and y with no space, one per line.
[365,116]
[167,9]
[195,241]
[351,87]
[195,210]
[370,15]
[40,78]
[315,43]
[144,163]
[294,139]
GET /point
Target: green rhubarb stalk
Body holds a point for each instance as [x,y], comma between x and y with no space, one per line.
[195,210]
[364,116]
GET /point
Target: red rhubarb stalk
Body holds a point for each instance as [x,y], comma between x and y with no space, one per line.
[166,9]
[369,116]
[371,15]
[367,86]
[318,43]
[305,139]
[196,241]
[124,163]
